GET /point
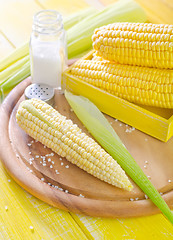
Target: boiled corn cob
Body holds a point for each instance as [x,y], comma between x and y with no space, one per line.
[141,44]
[48,126]
[142,85]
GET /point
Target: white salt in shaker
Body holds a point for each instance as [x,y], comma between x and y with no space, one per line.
[48,48]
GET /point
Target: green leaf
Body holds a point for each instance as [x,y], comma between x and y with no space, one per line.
[103,132]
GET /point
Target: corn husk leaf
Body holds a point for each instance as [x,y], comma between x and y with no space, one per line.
[103,132]
[11,82]
[16,55]
[76,17]
[12,69]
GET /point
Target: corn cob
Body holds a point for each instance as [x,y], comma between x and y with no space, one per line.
[141,44]
[142,85]
[48,126]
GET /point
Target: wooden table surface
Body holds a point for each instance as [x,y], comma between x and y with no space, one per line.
[22,216]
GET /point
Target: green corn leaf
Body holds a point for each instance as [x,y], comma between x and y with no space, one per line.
[12,69]
[103,132]
[76,17]
[16,78]
[16,55]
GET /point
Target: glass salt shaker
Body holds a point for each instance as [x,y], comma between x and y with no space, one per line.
[48,52]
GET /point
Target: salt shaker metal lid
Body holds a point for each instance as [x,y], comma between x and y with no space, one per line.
[41,91]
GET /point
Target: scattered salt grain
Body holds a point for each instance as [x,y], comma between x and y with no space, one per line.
[49,160]
[131,199]
[136,199]
[9,180]
[149,177]
[37,156]
[44,164]
[51,166]
[120,124]
[6,208]
[80,195]
[169,181]
[29,144]
[145,166]
[146,162]
[30,153]
[66,191]
[44,146]
[62,163]
[67,166]
[42,179]
[146,197]
[53,162]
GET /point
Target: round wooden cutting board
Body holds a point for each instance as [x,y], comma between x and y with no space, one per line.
[58,182]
